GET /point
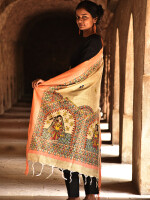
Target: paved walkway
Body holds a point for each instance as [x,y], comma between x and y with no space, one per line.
[14,185]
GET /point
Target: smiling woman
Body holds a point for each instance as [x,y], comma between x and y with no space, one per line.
[64,128]
[88,15]
[85,21]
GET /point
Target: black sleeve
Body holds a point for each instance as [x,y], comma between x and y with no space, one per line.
[90,49]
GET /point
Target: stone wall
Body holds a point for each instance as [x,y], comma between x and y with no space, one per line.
[34,39]
[131,19]
[145,134]
[14,17]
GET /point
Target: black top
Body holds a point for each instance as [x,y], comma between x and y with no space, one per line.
[87,49]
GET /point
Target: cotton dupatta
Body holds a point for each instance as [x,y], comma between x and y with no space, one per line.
[64,128]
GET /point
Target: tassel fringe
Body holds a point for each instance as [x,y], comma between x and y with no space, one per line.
[51,173]
[41,170]
[70,177]
[33,169]
[63,175]
[85,180]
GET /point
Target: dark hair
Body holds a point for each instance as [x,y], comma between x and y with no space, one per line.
[94,9]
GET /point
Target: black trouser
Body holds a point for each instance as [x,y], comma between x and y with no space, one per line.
[73,186]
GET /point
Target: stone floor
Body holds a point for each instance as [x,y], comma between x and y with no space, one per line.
[14,185]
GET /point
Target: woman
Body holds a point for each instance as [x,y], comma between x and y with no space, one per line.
[88,15]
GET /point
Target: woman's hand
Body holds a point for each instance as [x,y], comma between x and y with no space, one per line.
[36,82]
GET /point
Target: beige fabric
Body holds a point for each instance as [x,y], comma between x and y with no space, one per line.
[64,123]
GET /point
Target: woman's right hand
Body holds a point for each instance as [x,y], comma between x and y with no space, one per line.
[36,82]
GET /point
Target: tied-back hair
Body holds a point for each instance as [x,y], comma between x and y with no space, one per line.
[94,9]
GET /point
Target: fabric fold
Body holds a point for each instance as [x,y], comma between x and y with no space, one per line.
[64,127]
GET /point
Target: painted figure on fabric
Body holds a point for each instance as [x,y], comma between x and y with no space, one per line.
[57,127]
[95,139]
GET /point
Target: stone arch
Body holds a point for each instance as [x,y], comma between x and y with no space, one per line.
[127,132]
[13,18]
[49,40]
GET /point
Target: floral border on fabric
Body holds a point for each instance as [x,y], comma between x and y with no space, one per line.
[65,130]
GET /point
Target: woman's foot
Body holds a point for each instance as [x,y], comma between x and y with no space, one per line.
[90,197]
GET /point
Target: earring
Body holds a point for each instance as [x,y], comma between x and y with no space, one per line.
[94,28]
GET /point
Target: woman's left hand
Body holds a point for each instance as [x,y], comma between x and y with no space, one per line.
[37,82]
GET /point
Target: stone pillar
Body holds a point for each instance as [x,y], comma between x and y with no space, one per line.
[141,112]
[1,81]
[5,80]
[103,100]
[9,76]
[116,94]
[127,130]
[145,136]
[19,71]
[9,65]
[106,88]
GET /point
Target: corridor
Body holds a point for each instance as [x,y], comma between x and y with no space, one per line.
[116,177]
[37,41]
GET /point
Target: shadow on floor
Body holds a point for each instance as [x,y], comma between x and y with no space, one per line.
[121,187]
[111,160]
[106,142]
[62,198]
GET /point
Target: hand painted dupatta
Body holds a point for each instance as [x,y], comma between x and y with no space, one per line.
[64,128]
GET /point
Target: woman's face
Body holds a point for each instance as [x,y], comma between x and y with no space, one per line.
[84,20]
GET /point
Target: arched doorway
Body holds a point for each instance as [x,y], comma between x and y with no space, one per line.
[48,42]
[16,26]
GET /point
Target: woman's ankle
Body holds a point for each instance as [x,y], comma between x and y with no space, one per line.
[90,197]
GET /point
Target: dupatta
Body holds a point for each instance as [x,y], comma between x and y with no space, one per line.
[64,127]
